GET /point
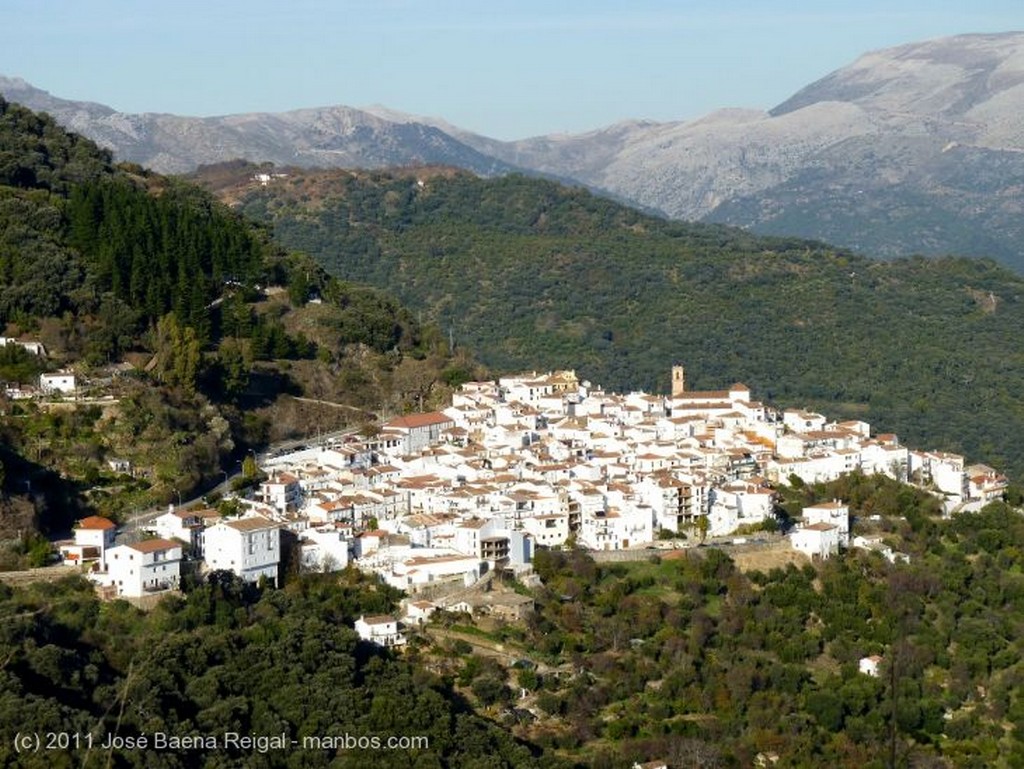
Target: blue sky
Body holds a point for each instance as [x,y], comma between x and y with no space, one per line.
[507,70]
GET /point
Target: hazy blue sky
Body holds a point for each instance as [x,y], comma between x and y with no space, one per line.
[508,70]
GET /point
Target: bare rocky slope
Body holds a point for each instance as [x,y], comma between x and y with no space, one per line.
[913,149]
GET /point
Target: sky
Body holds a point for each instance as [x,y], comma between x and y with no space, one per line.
[507,70]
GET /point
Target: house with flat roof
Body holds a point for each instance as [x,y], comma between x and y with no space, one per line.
[381,630]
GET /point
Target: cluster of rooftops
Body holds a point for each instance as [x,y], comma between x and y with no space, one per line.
[548,460]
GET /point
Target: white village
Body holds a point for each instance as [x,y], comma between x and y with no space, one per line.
[438,503]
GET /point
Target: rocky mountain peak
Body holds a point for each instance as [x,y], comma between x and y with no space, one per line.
[949,77]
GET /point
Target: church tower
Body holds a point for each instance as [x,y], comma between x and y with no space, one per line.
[678,381]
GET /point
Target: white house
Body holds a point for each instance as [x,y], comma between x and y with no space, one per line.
[141,568]
[36,348]
[489,540]
[381,630]
[800,421]
[419,430]
[985,483]
[616,528]
[325,548]
[835,513]
[185,526]
[58,382]
[869,665]
[94,536]
[817,540]
[943,470]
[282,491]
[416,571]
[549,530]
[418,612]
[249,547]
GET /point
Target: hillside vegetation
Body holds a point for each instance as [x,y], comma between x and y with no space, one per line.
[532,275]
[187,327]
[228,658]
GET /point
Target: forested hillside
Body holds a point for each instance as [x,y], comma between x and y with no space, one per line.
[227,658]
[187,328]
[531,275]
[701,663]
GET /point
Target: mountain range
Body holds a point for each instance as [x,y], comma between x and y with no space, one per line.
[916,149]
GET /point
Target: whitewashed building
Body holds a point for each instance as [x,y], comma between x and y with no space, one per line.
[381,630]
[142,568]
[817,540]
[835,513]
[325,548]
[249,547]
[57,382]
[94,536]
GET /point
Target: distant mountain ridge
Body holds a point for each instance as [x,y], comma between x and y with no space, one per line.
[912,149]
[338,136]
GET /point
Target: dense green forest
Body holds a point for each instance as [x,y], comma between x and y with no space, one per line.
[211,325]
[227,658]
[532,275]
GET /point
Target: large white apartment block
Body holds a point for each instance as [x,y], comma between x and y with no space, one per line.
[249,547]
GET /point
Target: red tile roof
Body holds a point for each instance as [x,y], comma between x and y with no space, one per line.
[411,421]
[95,522]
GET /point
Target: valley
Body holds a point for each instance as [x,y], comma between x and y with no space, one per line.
[282,424]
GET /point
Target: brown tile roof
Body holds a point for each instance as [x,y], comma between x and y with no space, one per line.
[380,619]
[411,421]
[96,523]
[820,527]
[255,523]
[154,545]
